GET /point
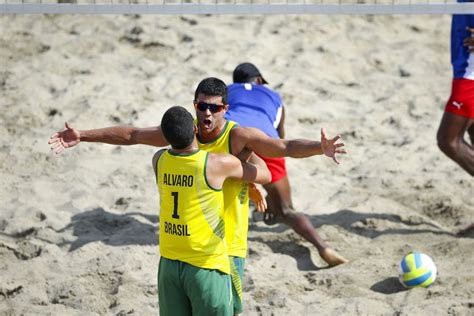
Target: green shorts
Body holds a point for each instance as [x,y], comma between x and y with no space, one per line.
[184,289]
[237,273]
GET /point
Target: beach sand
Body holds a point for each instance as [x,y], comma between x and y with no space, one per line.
[78,230]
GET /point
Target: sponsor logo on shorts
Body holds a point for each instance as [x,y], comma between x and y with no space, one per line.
[457,104]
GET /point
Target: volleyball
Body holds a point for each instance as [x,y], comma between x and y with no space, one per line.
[417,270]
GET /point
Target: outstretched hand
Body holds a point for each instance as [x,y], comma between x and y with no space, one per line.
[67,138]
[330,147]
[256,195]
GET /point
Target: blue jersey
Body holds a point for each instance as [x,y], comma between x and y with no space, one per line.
[462,60]
[253,105]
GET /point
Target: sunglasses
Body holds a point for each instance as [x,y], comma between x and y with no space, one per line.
[214,108]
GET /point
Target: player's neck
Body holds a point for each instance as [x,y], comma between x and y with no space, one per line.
[185,151]
[207,137]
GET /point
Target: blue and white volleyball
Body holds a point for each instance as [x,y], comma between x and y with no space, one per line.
[417,270]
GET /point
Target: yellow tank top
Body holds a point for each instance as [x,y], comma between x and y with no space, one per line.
[236,198]
[191,212]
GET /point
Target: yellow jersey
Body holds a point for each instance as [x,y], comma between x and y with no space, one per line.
[191,212]
[236,197]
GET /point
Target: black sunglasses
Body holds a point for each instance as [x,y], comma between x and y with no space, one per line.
[214,108]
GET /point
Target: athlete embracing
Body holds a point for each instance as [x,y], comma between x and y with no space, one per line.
[218,135]
[194,270]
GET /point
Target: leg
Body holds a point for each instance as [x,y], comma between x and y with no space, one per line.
[451,140]
[470,131]
[209,291]
[280,204]
[171,295]
[237,275]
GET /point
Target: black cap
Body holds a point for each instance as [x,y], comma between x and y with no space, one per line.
[246,71]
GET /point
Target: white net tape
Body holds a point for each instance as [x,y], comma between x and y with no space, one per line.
[240,7]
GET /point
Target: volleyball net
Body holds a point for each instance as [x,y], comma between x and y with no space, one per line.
[239,7]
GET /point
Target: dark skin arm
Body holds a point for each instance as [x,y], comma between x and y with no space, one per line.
[223,166]
[115,135]
[257,141]
[249,138]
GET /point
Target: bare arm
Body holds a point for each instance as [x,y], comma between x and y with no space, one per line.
[116,135]
[259,142]
[245,154]
[223,166]
[125,135]
[257,161]
[249,156]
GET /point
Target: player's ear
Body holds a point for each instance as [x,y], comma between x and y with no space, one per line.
[195,128]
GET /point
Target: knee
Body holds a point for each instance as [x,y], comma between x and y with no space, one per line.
[286,211]
[448,146]
[285,214]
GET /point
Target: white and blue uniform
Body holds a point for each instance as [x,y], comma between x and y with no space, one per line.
[253,105]
[461,101]
[461,59]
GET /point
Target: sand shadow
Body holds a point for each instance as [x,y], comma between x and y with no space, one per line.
[369,225]
[388,286]
[467,232]
[112,229]
[300,253]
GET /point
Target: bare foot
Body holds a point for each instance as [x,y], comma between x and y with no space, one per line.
[332,257]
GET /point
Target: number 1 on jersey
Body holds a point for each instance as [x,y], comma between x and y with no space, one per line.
[175,208]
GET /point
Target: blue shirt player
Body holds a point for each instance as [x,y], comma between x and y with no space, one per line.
[252,104]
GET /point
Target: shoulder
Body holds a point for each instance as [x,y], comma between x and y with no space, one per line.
[155,159]
[220,162]
[274,94]
[231,124]
[241,131]
[242,136]
[157,155]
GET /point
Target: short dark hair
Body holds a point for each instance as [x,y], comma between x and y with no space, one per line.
[212,87]
[177,126]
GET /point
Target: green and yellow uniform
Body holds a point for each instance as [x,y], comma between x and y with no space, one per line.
[236,209]
[194,269]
